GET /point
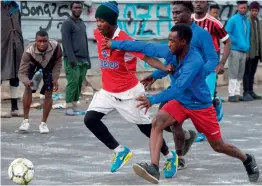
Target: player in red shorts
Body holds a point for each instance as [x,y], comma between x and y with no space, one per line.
[120,88]
[189,97]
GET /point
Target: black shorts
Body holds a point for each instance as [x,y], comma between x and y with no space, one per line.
[47,78]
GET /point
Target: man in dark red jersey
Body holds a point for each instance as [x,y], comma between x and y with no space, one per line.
[215,28]
[120,88]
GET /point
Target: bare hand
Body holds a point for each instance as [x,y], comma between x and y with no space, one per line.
[148,81]
[145,103]
[29,83]
[170,68]
[107,44]
[220,68]
[55,86]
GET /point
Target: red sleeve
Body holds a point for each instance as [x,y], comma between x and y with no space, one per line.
[221,32]
[136,54]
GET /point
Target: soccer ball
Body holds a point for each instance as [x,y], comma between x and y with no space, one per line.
[21,171]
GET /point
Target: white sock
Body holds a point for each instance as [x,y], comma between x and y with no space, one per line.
[26,120]
[187,134]
[119,149]
[180,157]
[14,92]
[169,155]
[43,123]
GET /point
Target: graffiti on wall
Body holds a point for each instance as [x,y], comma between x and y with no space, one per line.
[146,19]
[138,20]
[143,21]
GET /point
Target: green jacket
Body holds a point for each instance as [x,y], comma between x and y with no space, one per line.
[252,53]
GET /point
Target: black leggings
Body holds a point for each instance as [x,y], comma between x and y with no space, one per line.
[98,128]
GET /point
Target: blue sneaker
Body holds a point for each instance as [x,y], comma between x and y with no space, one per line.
[120,159]
[200,137]
[219,108]
[171,166]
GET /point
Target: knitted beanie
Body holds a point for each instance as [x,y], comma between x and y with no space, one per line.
[108,11]
[254,5]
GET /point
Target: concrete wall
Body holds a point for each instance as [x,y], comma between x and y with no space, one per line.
[141,20]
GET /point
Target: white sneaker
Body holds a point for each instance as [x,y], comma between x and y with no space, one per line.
[43,128]
[25,125]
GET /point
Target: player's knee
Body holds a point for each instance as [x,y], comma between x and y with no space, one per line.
[158,122]
[48,94]
[178,131]
[145,129]
[91,118]
[218,146]
[27,90]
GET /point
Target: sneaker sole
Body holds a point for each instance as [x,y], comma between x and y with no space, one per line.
[22,130]
[140,171]
[44,132]
[257,176]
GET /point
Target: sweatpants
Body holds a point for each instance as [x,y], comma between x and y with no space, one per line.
[236,70]
[75,77]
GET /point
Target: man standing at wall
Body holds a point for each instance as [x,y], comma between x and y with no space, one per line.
[254,54]
[238,28]
[12,47]
[76,56]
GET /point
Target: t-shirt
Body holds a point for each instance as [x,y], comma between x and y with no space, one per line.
[214,27]
[118,67]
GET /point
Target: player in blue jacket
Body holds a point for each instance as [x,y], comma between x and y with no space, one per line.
[188,97]
[201,42]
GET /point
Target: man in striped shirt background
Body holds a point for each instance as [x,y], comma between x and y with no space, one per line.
[218,33]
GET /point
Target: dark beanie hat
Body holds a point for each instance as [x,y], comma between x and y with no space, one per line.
[254,5]
[108,11]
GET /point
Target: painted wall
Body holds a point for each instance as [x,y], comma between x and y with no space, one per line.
[143,21]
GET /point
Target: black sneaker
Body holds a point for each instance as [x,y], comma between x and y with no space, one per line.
[252,170]
[246,97]
[181,164]
[255,96]
[189,142]
[148,172]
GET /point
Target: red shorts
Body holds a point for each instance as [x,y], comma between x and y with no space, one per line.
[205,120]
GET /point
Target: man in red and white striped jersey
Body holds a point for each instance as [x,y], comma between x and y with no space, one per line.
[215,28]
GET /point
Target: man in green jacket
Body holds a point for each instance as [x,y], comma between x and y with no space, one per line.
[76,56]
[254,55]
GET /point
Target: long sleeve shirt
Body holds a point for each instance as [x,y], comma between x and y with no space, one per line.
[238,28]
[190,88]
[74,40]
[53,54]
[201,42]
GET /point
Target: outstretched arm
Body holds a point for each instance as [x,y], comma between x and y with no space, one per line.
[149,49]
